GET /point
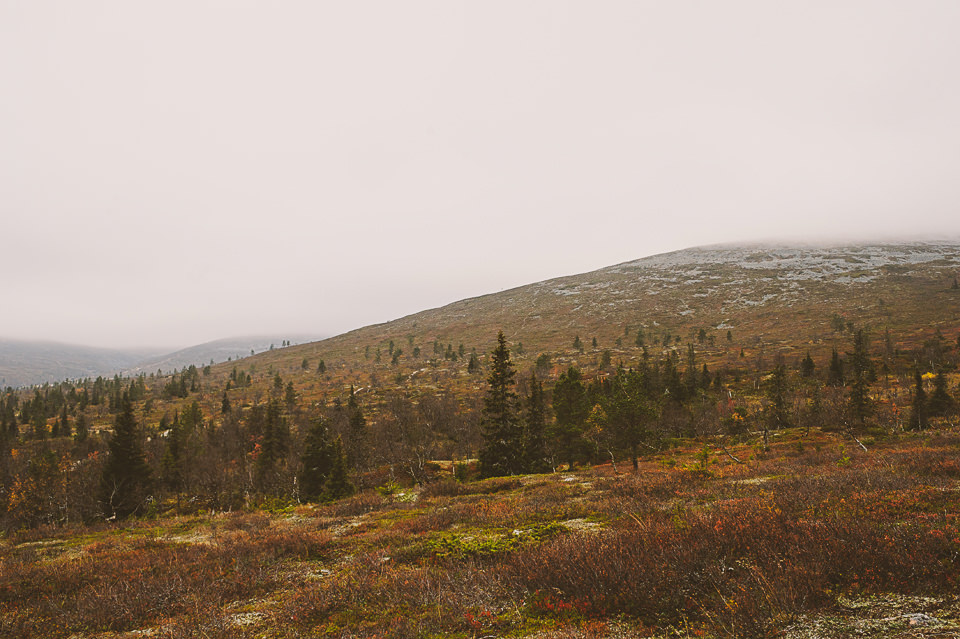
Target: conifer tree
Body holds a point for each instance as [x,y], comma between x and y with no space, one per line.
[317,462]
[356,452]
[918,408]
[65,428]
[860,404]
[807,366]
[171,466]
[290,396]
[338,483]
[835,372]
[940,401]
[473,366]
[81,433]
[126,480]
[502,450]
[535,424]
[571,408]
[273,447]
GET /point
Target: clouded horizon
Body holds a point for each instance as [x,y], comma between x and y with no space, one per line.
[173,173]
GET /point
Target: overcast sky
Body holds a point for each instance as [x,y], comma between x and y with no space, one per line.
[175,172]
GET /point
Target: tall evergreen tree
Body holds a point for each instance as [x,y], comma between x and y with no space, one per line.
[81,432]
[918,407]
[835,372]
[273,447]
[356,449]
[317,462]
[630,410]
[502,452]
[172,464]
[126,480]
[65,429]
[473,366]
[535,424]
[859,398]
[807,366]
[940,401]
[571,407]
[777,394]
[338,483]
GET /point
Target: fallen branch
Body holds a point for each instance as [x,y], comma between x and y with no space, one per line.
[729,454]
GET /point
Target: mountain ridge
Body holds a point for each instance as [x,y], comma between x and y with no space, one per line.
[29,362]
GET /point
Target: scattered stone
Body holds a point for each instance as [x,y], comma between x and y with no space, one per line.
[243,619]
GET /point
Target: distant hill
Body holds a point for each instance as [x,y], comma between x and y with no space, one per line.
[217,351]
[23,363]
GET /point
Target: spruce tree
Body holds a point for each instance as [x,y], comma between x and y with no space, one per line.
[918,408]
[860,403]
[535,425]
[317,462]
[290,396]
[835,372]
[65,428]
[338,483]
[171,466]
[502,452]
[273,447]
[357,449]
[81,433]
[807,366]
[571,408]
[473,366]
[126,480]
[940,401]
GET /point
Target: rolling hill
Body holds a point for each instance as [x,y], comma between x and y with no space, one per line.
[773,298]
[24,363]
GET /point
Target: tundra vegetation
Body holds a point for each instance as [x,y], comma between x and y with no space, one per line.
[649,479]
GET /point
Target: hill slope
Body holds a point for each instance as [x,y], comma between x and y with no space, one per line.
[217,351]
[782,298]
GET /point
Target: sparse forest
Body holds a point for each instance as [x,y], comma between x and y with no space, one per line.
[686,463]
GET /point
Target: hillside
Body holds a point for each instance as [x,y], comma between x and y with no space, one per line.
[216,351]
[771,299]
[365,485]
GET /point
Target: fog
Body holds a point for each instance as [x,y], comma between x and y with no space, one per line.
[177,172]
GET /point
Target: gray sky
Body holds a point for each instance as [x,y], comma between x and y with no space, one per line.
[180,171]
